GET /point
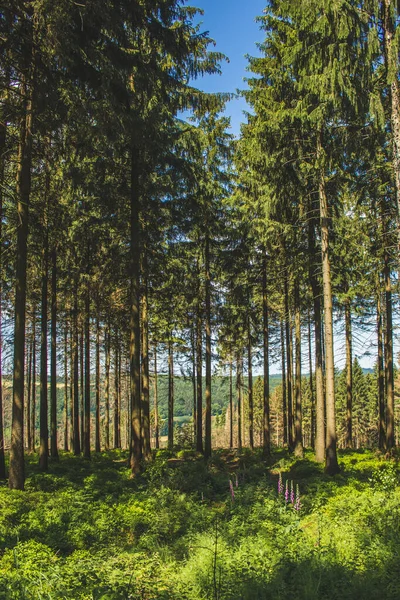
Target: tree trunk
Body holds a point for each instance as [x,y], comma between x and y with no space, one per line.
[134,345]
[97,428]
[250,389]
[44,427]
[76,436]
[86,437]
[71,386]
[199,361]
[29,401]
[33,409]
[239,367]
[207,433]
[170,395]
[117,441]
[230,404]
[107,386]
[312,424]
[16,478]
[82,383]
[284,398]
[145,369]
[53,357]
[381,372]
[392,70]
[331,462]
[389,375]
[289,360]
[349,375]
[193,342]
[298,441]
[266,408]
[66,446]
[156,425]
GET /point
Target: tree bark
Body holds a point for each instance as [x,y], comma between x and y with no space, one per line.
[53,358]
[349,376]
[284,398]
[331,462]
[239,367]
[66,446]
[298,441]
[381,372]
[312,425]
[75,354]
[145,368]
[170,394]
[250,389]
[288,368]
[134,345]
[193,343]
[389,375]
[97,428]
[44,427]
[199,361]
[16,478]
[230,404]
[87,403]
[207,433]
[107,386]
[29,400]
[266,408]
[156,422]
[117,441]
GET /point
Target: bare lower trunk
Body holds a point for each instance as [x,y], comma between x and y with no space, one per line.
[117,441]
[298,442]
[230,404]
[288,368]
[266,409]
[53,358]
[381,373]
[44,427]
[389,375]
[199,361]
[207,433]
[312,424]
[156,425]
[193,343]
[107,387]
[75,355]
[86,438]
[145,371]
[250,391]
[97,428]
[66,447]
[170,395]
[349,377]
[331,462]
[239,368]
[284,398]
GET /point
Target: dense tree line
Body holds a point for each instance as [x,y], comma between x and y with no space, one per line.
[135,230]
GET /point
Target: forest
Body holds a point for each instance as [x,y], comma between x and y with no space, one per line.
[184,312]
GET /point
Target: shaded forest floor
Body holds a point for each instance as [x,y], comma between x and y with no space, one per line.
[86,530]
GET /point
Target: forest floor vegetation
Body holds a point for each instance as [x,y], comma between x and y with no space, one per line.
[237,527]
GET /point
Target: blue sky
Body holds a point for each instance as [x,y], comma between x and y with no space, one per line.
[231,23]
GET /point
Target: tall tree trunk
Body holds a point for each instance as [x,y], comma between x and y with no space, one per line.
[230,403]
[82,382]
[193,343]
[207,432]
[239,367]
[331,462]
[381,372]
[53,357]
[298,441]
[349,376]
[44,427]
[66,447]
[392,70]
[71,386]
[16,478]
[117,441]
[145,368]
[156,422]
[134,344]
[312,424]
[3,133]
[97,428]
[86,437]
[75,353]
[289,362]
[266,408]
[250,388]
[107,386]
[389,375]
[29,400]
[170,394]
[199,361]
[284,397]
[33,410]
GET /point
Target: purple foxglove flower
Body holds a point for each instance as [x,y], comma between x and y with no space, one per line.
[297,505]
[291,492]
[280,484]
[287,491]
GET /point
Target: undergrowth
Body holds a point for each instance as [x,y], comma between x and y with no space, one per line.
[186,529]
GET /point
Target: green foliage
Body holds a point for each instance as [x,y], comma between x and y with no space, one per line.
[89,531]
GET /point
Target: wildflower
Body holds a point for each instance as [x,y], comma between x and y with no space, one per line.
[231,490]
[280,484]
[287,491]
[297,505]
[291,492]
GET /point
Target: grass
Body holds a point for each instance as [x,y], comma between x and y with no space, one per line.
[86,530]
